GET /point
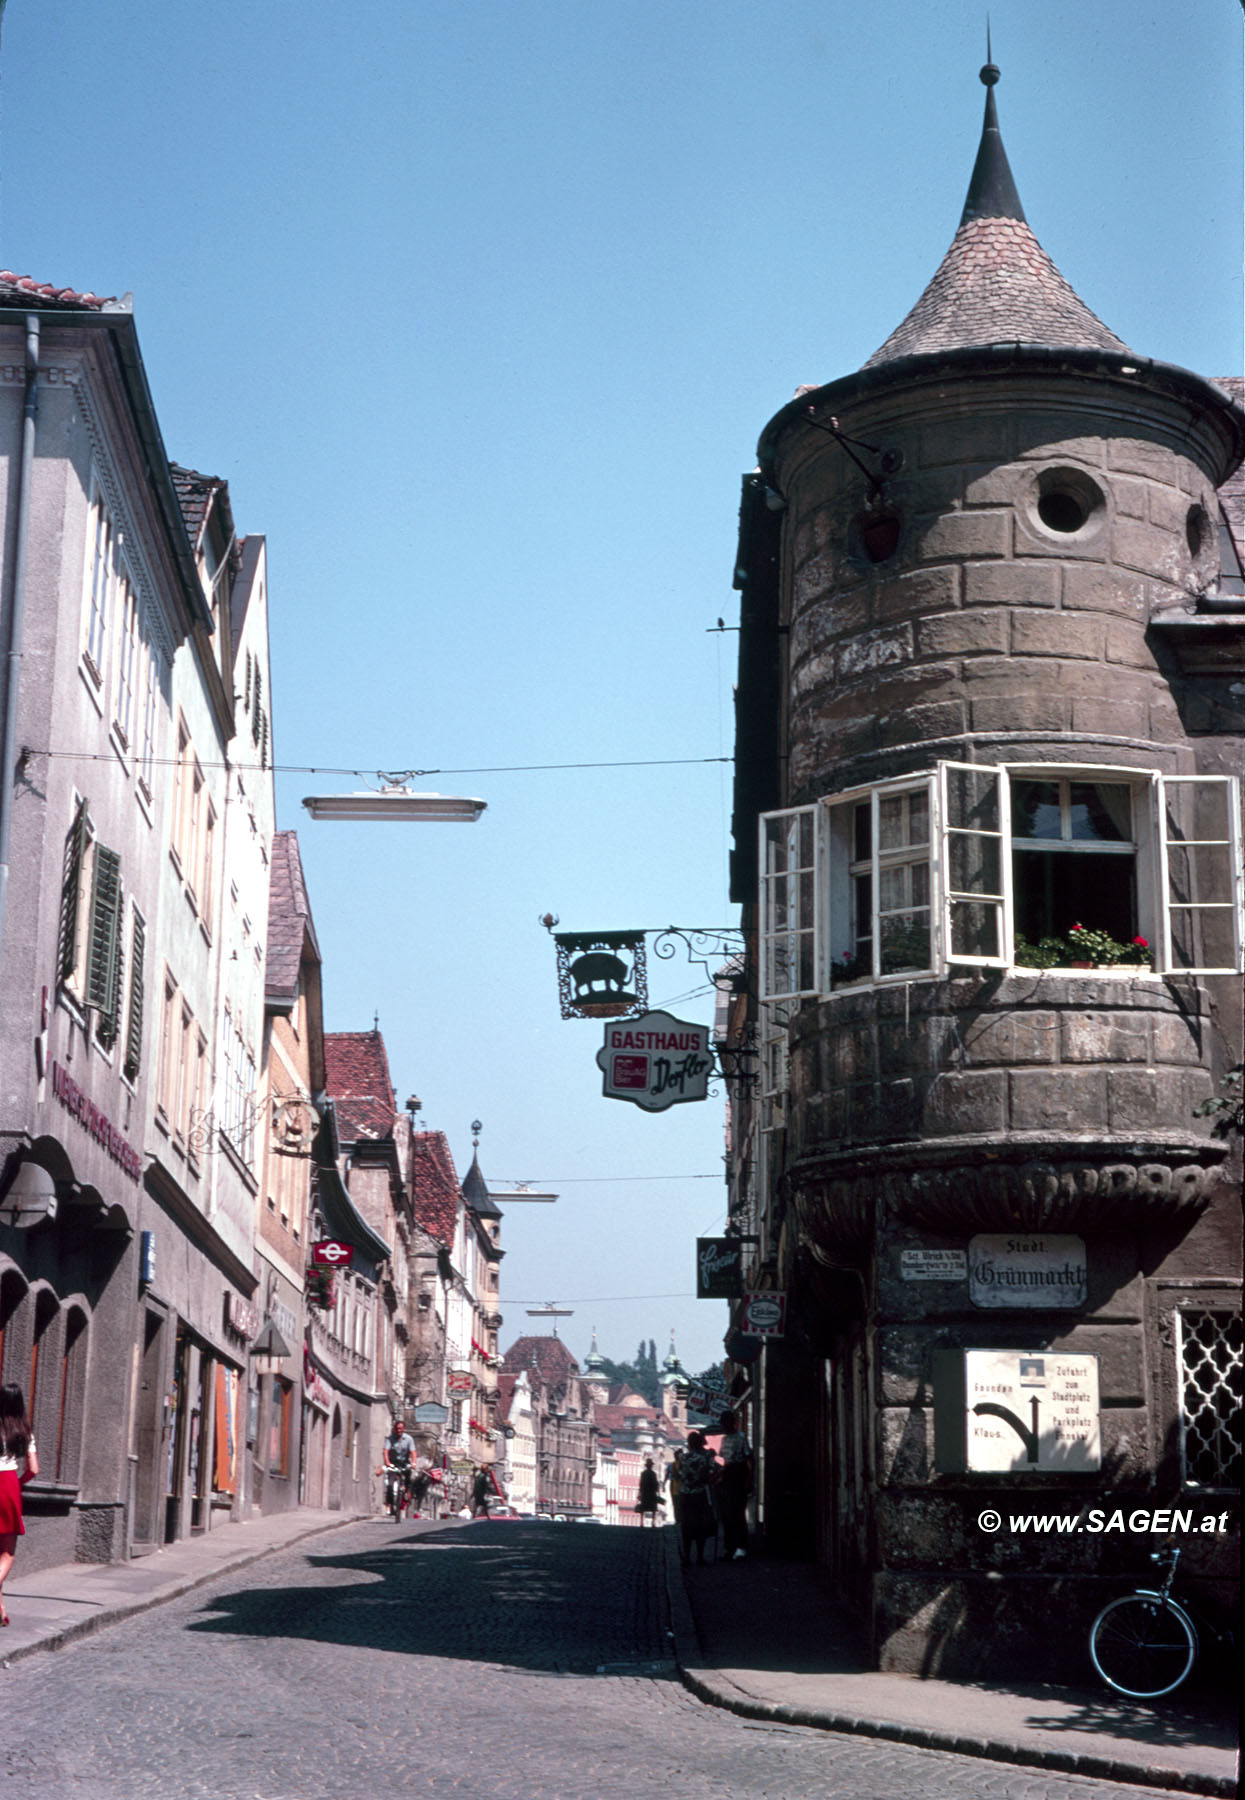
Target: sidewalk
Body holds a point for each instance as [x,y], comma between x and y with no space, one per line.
[768,1640]
[52,1607]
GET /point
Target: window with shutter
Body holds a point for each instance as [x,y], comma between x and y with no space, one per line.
[134,1024]
[104,944]
[76,842]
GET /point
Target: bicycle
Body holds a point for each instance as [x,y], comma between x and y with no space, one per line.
[397,1493]
[1145,1643]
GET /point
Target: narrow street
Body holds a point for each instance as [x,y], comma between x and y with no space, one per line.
[496,1661]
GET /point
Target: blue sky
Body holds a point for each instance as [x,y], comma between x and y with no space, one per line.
[480,310]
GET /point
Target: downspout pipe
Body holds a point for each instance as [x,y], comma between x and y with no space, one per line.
[16,610]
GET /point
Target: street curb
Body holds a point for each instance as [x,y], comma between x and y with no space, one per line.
[712,1686]
[177,1586]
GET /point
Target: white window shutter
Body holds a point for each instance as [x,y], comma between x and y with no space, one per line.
[791,939]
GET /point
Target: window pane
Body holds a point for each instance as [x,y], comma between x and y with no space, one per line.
[1199,874]
[976,864]
[863,832]
[1197,811]
[1035,809]
[1202,937]
[905,942]
[975,929]
[1101,812]
[1055,890]
[903,820]
[973,800]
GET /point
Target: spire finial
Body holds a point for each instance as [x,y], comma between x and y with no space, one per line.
[992,191]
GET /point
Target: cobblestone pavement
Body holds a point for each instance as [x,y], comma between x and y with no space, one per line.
[496,1662]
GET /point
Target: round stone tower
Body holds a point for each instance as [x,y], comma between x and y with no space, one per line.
[999,903]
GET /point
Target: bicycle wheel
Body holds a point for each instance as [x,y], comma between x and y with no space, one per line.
[1143,1645]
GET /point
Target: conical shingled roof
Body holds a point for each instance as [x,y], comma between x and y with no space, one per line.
[996,284]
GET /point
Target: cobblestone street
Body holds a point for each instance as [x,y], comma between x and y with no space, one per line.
[501,1662]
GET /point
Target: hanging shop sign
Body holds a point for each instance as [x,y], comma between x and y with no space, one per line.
[1040,1271]
[719,1268]
[431,1412]
[458,1382]
[763,1315]
[331,1253]
[601,974]
[1006,1411]
[655,1061]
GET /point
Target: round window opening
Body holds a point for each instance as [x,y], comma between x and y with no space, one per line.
[1067,500]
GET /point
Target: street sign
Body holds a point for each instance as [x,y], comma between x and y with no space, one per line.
[764,1315]
[999,1411]
[332,1253]
[1043,1270]
[430,1412]
[655,1061]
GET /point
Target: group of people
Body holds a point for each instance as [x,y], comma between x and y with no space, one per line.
[704,1491]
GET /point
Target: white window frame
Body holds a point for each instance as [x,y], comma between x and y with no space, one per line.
[784,929]
[791,901]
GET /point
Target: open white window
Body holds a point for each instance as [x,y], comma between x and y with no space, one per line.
[975,819]
[1200,873]
[881,882]
[974,865]
[790,904]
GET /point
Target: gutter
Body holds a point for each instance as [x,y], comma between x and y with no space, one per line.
[17,606]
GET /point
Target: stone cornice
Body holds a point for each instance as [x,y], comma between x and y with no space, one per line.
[959,1188]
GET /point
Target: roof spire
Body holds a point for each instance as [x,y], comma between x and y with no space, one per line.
[992,191]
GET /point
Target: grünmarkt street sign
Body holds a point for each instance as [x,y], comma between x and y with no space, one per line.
[655,1061]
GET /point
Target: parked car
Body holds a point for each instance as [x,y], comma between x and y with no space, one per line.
[503,1512]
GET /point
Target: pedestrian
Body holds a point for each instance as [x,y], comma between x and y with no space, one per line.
[19,1463]
[674,1473]
[736,1454]
[479,1494]
[650,1493]
[697,1520]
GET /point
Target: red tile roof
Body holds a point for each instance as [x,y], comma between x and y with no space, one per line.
[546,1357]
[996,285]
[435,1186]
[20,290]
[356,1072]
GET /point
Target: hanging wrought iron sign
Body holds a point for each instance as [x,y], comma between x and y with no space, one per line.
[655,1061]
[601,974]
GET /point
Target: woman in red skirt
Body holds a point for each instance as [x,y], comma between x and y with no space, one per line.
[19,1462]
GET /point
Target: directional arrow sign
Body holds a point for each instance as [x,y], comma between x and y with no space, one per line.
[333,1253]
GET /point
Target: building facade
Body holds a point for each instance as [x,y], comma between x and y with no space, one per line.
[989,723]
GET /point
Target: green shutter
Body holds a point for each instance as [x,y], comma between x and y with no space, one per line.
[134,1028]
[71,888]
[103,969]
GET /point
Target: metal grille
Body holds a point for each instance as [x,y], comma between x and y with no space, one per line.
[1210,1397]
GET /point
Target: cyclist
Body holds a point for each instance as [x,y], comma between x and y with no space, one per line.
[398,1454]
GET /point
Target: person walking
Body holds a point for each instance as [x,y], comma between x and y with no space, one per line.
[19,1463]
[674,1476]
[650,1493]
[736,1454]
[697,1520]
[480,1495]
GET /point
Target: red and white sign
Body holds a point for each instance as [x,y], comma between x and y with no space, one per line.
[458,1381]
[655,1061]
[332,1253]
[764,1315]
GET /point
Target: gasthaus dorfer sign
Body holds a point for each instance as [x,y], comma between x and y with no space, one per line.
[655,1061]
[1034,1269]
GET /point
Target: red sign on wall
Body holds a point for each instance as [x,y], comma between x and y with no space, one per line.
[332,1253]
